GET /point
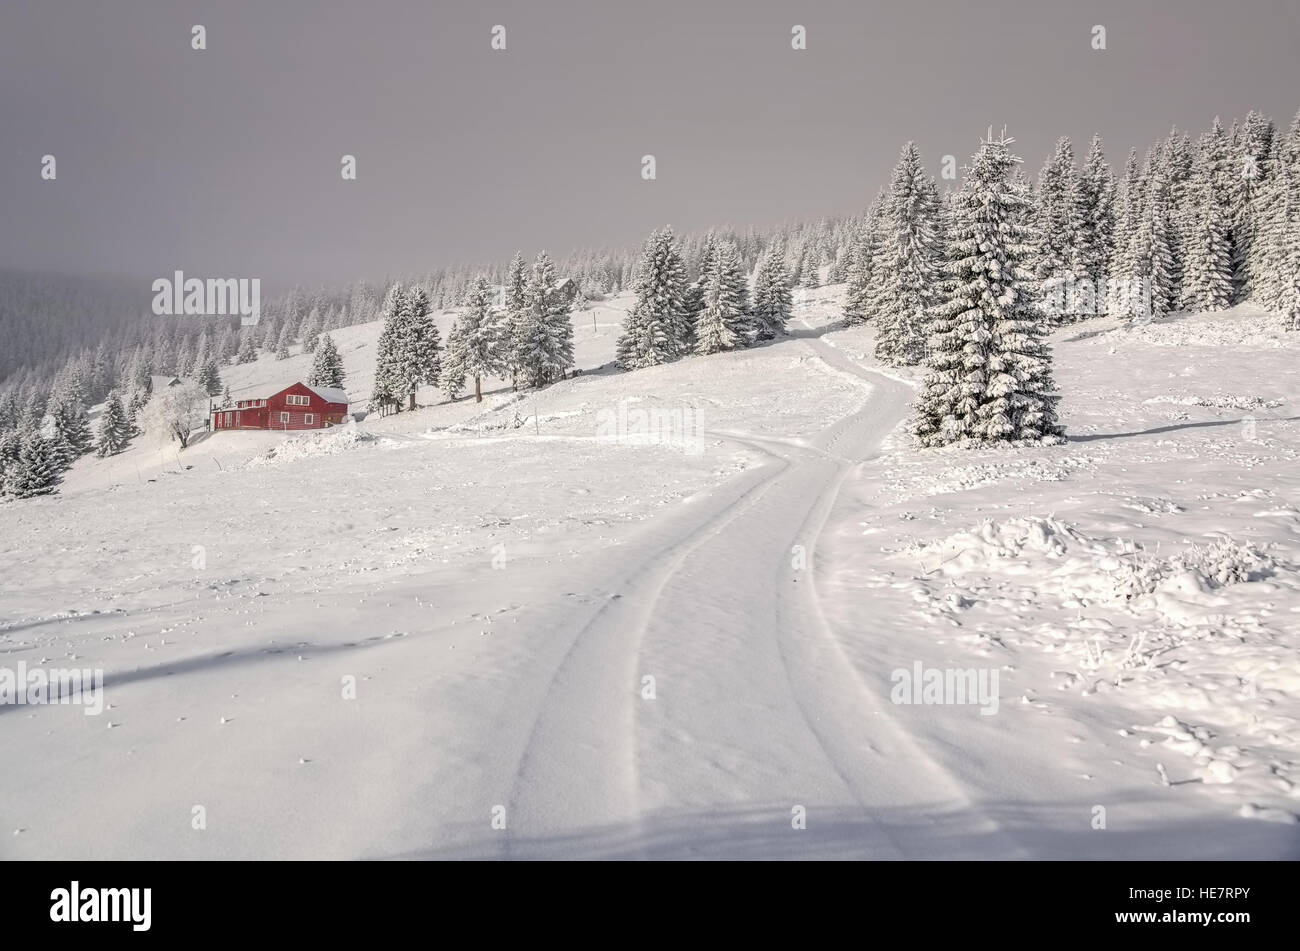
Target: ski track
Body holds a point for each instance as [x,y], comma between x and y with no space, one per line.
[757,709]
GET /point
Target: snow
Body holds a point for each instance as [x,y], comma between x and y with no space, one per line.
[495,583]
[330,394]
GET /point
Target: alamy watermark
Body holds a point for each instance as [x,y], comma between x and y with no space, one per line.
[1070,295]
[659,425]
[37,686]
[215,297]
[946,686]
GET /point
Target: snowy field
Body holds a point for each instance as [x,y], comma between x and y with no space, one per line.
[598,622]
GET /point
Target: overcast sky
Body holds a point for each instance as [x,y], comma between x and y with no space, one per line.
[226,162]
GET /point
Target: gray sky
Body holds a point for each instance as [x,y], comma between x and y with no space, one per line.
[225,163]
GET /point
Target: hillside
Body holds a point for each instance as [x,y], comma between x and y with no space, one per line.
[497,581]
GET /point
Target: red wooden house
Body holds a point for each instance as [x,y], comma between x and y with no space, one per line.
[293,408]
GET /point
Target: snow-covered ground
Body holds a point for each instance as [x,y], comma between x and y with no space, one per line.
[666,613]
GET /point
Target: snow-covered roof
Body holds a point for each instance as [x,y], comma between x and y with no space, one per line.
[330,394]
[159,382]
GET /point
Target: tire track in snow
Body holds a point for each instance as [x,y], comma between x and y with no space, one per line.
[757,707]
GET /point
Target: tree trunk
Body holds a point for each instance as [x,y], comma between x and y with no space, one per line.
[412,407]
[478,389]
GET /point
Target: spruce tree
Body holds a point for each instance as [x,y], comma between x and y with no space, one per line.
[1126,220]
[1209,261]
[327,367]
[908,265]
[862,295]
[656,329]
[10,446]
[311,331]
[1097,206]
[114,428]
[1253,149]
[480,337]
[772,298]
[71,425]
[283,341]
[1179,164]
[454,360]
[209,377]
[988,368]
[516,301]
[1060,221]
[547,339]
[810,270]
[722,323]
[1152,255]
[247,348]
[37,470]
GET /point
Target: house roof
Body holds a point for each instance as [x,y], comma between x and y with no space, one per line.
[329,394]
[159,382]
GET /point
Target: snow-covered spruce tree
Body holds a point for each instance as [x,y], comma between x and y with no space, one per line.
[1278,220]
[283,341]
[656,329]
[185,358]
[1127,218]
[1097,208]
[480,336]
[452,375]
[1253,149]
[388,389]
[708,251]
[114,429]
[417,357]
[270,335]
[1060,229]
[1152,256]
[311,330]
[209,377]
[989,373]
[1178,173]
[8,411]
[546,352]
[723,321]
[516,301]
[37,471]
[72,436]
[772,298]
[1209,261]
[1215,176]
[327,367]
[909,261]
[247,348]
[810,270]
[862,295]
[838,272]
[11,441]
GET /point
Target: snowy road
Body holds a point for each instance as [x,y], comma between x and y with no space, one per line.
[753,714]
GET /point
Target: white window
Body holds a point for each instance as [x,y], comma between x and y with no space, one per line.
[298,400]
[284,418]
[308,419]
